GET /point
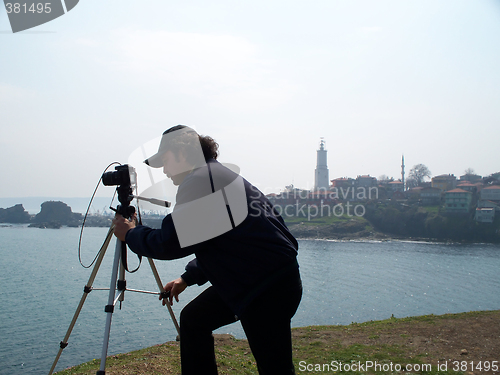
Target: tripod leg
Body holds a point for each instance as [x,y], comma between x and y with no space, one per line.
[86,290]
[110,307]
[160,286]
[121,284]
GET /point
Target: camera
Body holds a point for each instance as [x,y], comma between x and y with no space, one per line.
[124,175]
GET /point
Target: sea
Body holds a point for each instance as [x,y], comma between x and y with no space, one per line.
[42,275]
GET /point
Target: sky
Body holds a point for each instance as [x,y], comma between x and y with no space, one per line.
[266,79]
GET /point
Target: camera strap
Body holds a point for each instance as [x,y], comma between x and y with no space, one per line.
[124,245]
[228,208]
[124,259]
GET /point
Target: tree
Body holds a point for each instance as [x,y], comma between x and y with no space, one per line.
[417,175]
[469,171]
[385,178]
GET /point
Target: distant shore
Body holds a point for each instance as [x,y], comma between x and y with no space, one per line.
[329,232]
[300,231]
[409,225]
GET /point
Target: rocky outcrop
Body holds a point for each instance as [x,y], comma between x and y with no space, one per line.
[54,214]
[15,215]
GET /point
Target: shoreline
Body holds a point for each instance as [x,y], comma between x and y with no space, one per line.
[325,232]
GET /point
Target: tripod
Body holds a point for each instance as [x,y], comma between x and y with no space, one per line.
[118,284]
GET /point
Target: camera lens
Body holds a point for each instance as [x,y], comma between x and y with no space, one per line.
[111,178]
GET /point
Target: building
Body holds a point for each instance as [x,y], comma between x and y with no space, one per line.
[414,193]
[491,193]
[430,196]
[458,201]
[485,215]
[468,186]
[471,178]
[366,181]
[396,186]
[488,204]
[321,180]
[445,182]
[389,187]
[342,182]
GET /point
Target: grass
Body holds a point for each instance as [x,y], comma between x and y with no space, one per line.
[431,209]
[316,349]
[323,220]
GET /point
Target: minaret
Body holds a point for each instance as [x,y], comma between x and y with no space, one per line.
[403,171]
[321,173]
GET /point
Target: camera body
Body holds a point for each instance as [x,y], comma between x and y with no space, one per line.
[124,175]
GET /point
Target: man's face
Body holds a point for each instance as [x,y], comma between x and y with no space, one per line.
[175,167]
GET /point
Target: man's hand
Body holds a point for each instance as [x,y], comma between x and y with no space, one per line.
[175,288]
[122,226]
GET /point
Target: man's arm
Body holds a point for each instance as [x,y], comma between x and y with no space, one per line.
[152,243]
[194,274]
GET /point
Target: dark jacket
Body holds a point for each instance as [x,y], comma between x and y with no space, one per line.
[239,263]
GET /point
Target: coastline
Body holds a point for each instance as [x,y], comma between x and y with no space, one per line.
[334,232]
[329,233]
[301,232]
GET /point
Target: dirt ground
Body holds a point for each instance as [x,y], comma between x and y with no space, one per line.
[462,341]
[458,340]
[465,343]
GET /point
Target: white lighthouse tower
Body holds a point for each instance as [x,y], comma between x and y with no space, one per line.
[321,180]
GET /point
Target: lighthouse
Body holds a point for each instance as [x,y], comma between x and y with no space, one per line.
[321,173]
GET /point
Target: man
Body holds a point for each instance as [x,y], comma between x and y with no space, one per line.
[242,247]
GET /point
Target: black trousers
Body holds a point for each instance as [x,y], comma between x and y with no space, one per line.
[266,322]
